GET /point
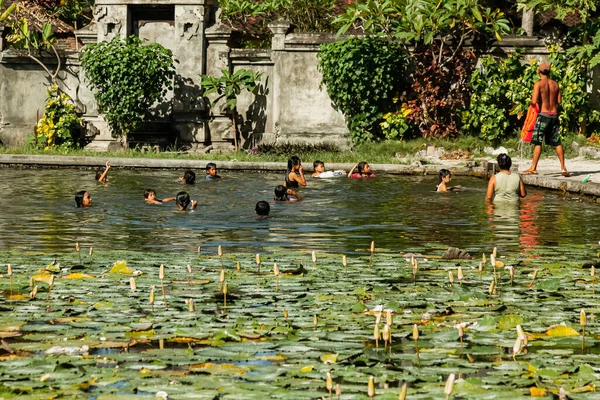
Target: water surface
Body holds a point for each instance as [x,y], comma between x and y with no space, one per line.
[38,213]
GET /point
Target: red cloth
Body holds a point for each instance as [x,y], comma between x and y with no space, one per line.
[529,125]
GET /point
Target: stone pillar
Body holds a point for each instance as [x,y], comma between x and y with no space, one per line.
[528,20]
[189,50]
[279,29]
[220,128]
[113,20]
[2,39]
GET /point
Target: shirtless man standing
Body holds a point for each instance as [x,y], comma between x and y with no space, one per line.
[546,94]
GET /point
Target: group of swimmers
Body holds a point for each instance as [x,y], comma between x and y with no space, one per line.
[502,186]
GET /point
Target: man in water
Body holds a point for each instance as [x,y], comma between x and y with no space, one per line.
[546,94]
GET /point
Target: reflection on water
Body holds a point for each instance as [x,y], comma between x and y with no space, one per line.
[399,213]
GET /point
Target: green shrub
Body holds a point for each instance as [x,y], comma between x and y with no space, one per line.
[127,77]
[361,77]
[59,126]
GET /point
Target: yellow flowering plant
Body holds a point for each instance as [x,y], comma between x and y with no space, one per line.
[60,125]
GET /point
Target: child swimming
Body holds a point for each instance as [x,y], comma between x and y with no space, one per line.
[150,197]
[183,201]
[445,176]
[363,170]
[284,194]
[83,199]
[295,173]
[102,173]
[262,208]
[211,171]
[189,178]
[319,167]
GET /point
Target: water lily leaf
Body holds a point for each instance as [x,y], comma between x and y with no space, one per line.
[219,369]
[537,392]
[509,321]
[549,285]
[308,368]
[43,277]
[78,275]
[120,267]
[561,331]
[53,267]
[329,358]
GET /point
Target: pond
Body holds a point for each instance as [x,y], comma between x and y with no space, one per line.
[145,315]
[38,212]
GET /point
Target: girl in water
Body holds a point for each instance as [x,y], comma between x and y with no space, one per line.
[183,201]
[83,199]
[295,174]
[505,186]
[363,170]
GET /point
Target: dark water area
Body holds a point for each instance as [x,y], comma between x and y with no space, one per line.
[37,212]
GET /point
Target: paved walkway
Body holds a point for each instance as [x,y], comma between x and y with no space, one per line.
[548,169]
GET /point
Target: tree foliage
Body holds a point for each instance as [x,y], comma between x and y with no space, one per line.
[362,76]
[60,125]
[127,77]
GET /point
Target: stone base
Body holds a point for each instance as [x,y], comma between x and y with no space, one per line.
[103,141]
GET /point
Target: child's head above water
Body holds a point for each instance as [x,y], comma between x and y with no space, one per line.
[294,162]
[149,194]
[262,208]
[211,169]
[444,173]
[280,191]
[363,168]
[189,177]
[83,199]
[319,166]
[183,201]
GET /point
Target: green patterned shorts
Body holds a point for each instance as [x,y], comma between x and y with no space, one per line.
[546,128]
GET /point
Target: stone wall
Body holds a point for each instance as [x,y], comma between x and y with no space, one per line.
[289,105]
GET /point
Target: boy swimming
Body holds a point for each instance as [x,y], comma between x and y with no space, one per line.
[319,167]
[211,171]
[150,197]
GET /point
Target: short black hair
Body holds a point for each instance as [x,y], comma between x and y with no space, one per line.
[99,173]
[183,199]
[211,165]
[280,191]
[504,161]
[79,198]
[262,208]
[148,191]
[189,177]
[318,163]
[444,173]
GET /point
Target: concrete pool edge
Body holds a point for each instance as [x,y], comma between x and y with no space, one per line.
[548,180]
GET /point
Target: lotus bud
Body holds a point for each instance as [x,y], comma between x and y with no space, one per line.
[276,269]
[415,332]
[285,314]
[483,259]
[376,333]
[460,274]
[593,271]
[494,252]
[220,251]
[412,261]
[152,294]
[316,320]
[372,247]
[329,383]
[222,276]
[239,266]
[385,334]
[31,282]
[257,259]
[518,346]
[451,277]
[77,249]
[402,395]
[132,284]
[480,267]
[51,281]
[344,261]
[161,272]
[388,317]
[91,251]
[582,318]
[338,390]
[191,305]
[534,275]
[511,272]
[371,387]
[492,287]
[449,388]
[378,318]
[460,332]
[33,293]
[189,269]
[199,248]
[492,260]
[225,288]
[9,270]
[522,335]
[314,257]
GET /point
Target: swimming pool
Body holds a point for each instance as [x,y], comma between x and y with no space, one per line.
[398,212]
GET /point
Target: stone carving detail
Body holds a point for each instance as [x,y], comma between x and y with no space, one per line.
[110,25]
[188,25]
